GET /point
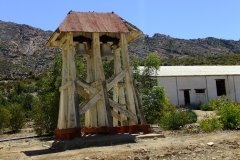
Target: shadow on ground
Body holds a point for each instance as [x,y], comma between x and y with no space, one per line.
[83,142]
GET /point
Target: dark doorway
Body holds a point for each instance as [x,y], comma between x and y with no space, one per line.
[186,96]
[221,89]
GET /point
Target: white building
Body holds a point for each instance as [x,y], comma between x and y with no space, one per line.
[199,84]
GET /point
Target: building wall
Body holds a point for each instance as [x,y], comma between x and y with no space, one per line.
[175,86]
[237,87]
[170,86]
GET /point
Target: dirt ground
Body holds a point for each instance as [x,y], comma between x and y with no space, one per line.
[175,145]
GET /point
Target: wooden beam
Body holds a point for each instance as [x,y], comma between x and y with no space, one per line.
[86,86]
[138,104]
[128,78]
[122,110]
[99,75]
[117,79]
[108,107]
[116,115]
[66,85]
[83,104]
[90,103]
[83,93]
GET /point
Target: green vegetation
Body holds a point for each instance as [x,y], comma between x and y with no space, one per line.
[174,118]
[5,117]
[222,59]
[228,114]
[211,124]
[17,120]
[156,106]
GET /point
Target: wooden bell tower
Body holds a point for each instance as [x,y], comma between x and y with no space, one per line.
[102,114]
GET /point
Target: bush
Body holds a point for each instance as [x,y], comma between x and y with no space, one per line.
[228,112]
[5,117]
[177,118]
[206,107]
[211,124]
[230,116]
[216,104]
[17,120]
[154,103]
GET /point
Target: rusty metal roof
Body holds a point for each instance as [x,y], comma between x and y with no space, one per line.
[92,22]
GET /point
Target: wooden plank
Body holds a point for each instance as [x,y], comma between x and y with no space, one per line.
[83,93]
[86,86]
[127,113]
[122,101]
[128,80]
[117,70]
[99,75]
[108,107]
[66,85]
[62,121]
[117,79]
[91,114]
[138,104]
[72,121]
[90,103]
[116,115]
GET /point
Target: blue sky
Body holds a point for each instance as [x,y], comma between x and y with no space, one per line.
[187,19]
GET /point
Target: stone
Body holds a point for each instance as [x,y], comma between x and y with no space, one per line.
[210,143]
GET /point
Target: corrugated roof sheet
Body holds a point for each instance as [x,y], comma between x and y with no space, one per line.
[92,22]
[169,71]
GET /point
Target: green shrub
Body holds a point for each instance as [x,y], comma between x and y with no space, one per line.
[228,112]
[177,118]
[216,104]
[206,107]
[18,119]
[154,103]
[5,117]
[230,116]
[211,124]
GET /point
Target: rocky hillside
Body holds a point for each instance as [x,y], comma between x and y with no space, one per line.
[22,51]
[168,47]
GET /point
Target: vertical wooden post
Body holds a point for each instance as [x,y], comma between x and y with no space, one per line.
[117,70]
[71,78]
[99,74]
[62,121]
[91,114]
[128,79]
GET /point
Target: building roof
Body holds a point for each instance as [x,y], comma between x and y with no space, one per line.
[171,71]
[90,22]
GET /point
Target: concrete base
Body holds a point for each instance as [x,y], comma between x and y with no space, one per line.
[92,141]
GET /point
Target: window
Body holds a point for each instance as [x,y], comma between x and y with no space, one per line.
[200,90]
[221,89]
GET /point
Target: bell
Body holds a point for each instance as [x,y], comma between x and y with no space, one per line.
[81,51]
[106,51]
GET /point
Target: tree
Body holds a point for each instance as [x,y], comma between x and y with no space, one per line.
[147,80]
[46,105]
[17,120]
[5,117]
[154,103]
[153,97]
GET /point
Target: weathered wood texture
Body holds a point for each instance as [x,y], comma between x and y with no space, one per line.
[67,111]
[99,75]
[128,78]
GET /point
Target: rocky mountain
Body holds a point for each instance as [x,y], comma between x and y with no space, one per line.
[23,53]
[168,47]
